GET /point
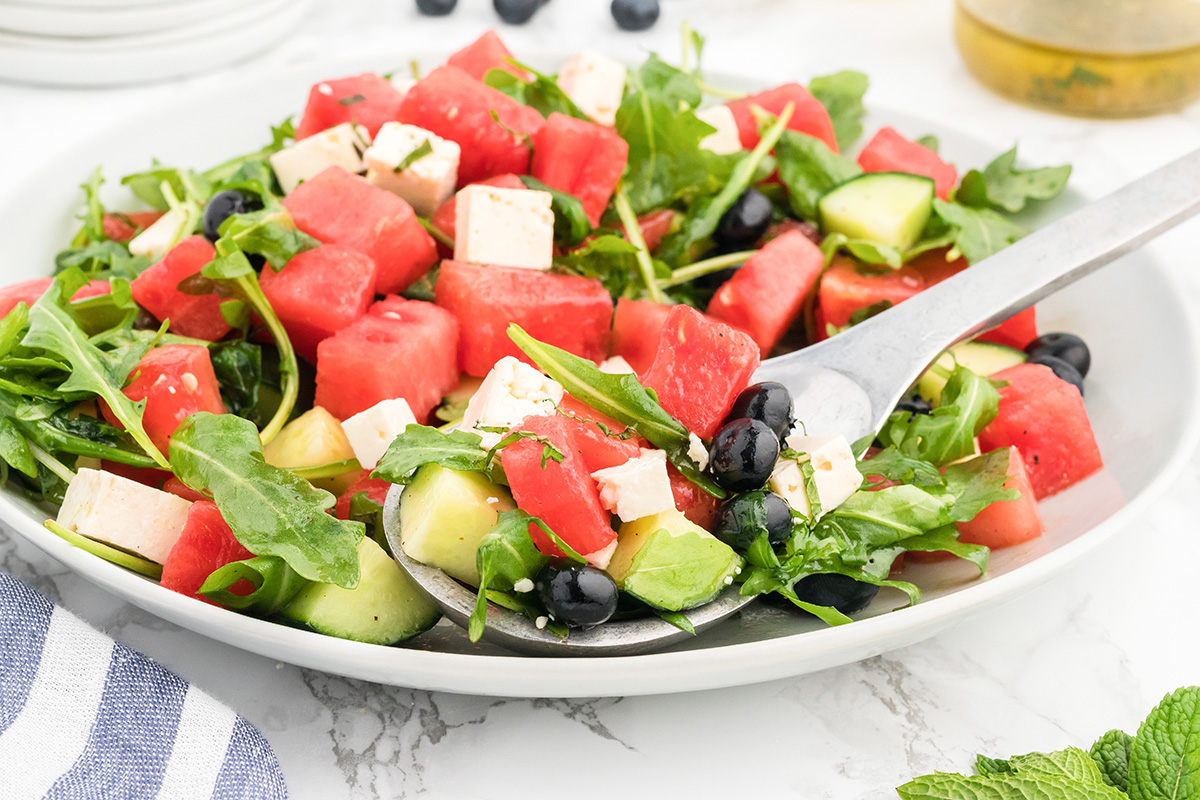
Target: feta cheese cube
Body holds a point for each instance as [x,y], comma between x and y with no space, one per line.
[506,227]
[371,432]
[726,138]
[161,236]
[787,481]
[512,391]
[340,146]
[403,83]
[698,451]
[425,183]
[616,366]
[602,557]
[638,488]
[595,83]
[123,513]
[835,471]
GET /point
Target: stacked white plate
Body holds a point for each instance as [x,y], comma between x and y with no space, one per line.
[113,42]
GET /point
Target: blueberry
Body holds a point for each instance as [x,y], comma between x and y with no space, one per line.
[576,595]
[740,520]
[742,455]
[1067,346]
[220,207]
[768,402]
[914,405]
[1060,368]
[745,222]
[635,15]
[839,591]
[517,12]
[436,8]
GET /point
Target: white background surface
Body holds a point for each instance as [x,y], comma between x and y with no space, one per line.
[1095,649]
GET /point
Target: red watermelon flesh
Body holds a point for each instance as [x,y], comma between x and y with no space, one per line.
[1007,522]
[28,292]
[766,295]
[637,325]
[376,490]
[123,227]
[406,349]
[456,106]
[485,53]
[808,117]
[580,158]
[888,151]
[176,381]
[446,216]
[156,290]
[180,489]
[319,292]
[690,500]
[1044,417]
[563,495]
[701,366]
[567,311]
[600,450]
[339,208]
[205,544]
[365,99]
[845,288]
[655,225]
[1016,331]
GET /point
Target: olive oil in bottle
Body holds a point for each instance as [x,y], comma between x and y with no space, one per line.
[1108,58]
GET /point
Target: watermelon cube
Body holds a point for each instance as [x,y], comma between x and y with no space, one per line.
[567,311]
[123,227]
[637,325]
[563,495]
[406,348]
[766,295]
[580,158]
[375,488]
[485,53]
[697,505]
[28,292]
[1016,331]
[1044,417]
[205,544]
[365,99]
[340,208]
[456,106]
[176,381]
[701,366]
[888,151]
[597,436]
[808,117]
[156,290]
[655,225]
[1007,522]
[446,217]
[844,289]
[320,292]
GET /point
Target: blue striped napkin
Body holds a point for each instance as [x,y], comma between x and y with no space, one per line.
[84,716]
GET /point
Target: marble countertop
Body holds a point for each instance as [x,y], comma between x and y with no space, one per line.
[1094,649]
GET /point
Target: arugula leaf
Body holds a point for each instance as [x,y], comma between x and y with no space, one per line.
[506,555]
[93,217]
[275,584]
[271,511]
[977,232]
[571,224]
[106,259]
[670,84]
[977,483]
[621,397]
[1164,761]
[842,93]
[160,183]
[14,450]
[892,465]
[541,92]
[864,250]
[809,169]
[1002,186]
[611,259]
[1111,754]
[268,233]
[968,403]
[929,141]
[224,173]
[249,387]
[420,445]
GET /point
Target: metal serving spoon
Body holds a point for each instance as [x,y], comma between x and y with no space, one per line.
[850,383]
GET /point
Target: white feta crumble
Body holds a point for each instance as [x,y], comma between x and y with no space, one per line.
[123,513]
[595,83]
[340,146]
[697,451]
[161,236]
[834,469]
[725,139]
[512,391]
[402,83]
[541,622]
[638,488]
[601,558]
[427,180]
[505,227]
[616,366]
[787,481]
[523,586]
[370,432]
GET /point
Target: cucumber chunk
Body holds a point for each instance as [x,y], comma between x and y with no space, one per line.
[386,607]
[888,208]
[982,358]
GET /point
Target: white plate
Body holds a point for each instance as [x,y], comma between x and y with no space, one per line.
[1143,447]
[90,23]
[144,58]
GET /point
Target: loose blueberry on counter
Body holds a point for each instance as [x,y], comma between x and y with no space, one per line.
[745,222]
[914,405]
[740,519]
[635,15]
[1060,368]
[1067,346]
[576,595]
[742,455]
[220,207]
[840,591]
[768,402]
[517,12]
[436,8]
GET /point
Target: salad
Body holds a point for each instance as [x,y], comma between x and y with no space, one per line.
[537,302]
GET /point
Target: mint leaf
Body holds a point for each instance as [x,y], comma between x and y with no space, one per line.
[1002,186]
[1164,762]
[977,232]
[1064,775]
[420,445]
[1111,754]
[842,95]
[990,766]
[809,169]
